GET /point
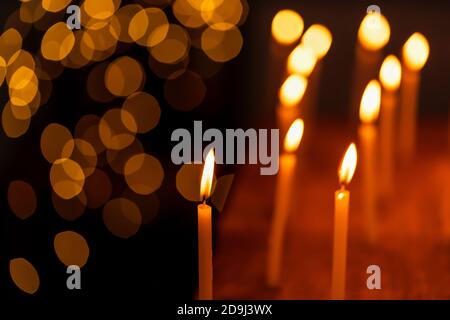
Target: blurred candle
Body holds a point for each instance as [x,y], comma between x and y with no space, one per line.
[284,187]
[373,35]
[302,60]
[390,77]
[287,28]
[290,95]
[415,55]
[368,137]
[319,39]
[342,200]
[205,269]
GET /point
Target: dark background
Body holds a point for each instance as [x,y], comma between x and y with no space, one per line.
[161,260]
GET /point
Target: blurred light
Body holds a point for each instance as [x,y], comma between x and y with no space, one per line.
[222,45]
[122,217]
[145,110]
[294,136]
[124,76]
[416,51]
[287,27]
[54,139]
[24,275]
[143,174]
[67,178]
[71,248]
[22,199]
[57,42]
[113,132]
[292,90]
[374,36]
[391,73]
[302,60]
[370,102]
[319,39]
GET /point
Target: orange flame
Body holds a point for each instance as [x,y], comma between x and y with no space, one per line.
[348,165]
[292,90]
[416,51]
[370,102]
[294,136]
[207,176]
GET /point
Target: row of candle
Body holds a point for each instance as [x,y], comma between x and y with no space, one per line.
[287,28]
[371,39]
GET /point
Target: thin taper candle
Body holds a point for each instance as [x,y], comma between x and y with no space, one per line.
[205,263]
[342,201]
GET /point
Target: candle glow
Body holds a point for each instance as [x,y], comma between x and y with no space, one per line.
[207,176]
[302,60]
[319,39]
[391,73]
[292,90]
[294,136]
[374,37]
[370,102]
[348,165]
[287,27]
[416,51]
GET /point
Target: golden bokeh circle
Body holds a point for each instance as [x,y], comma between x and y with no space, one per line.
[71,248]
[24,275]
[67,178]
[122,217]
[22,199]
[124,76]
[143,174]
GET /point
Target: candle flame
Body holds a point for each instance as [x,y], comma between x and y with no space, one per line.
[416,51]
[292,90]
[207,176]
[391,73]
[370,102]
[319,38]
[374,31]
[294,136]
[302,60]
[287,27]
[348,165]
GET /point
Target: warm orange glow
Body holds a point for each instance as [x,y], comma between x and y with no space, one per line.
[391,73]
[207,176]
[416,51]
[302,60]
[294,136]
[319,38]
[292,90]
[374,32]
[287,27]
[370,102]
[348,165]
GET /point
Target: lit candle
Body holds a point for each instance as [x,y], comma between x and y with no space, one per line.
[287,28]
[205,269]
[373,35]
[342,200]
[319,39]
[390,77]
[368,136]
[415,55]
[288,162]
[290,95]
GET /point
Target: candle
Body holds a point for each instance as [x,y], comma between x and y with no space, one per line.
[390,77]
[415,55]
[368,136]
[342,200]
[319,39]
[205,269]
[288,162]
[373,35]
[287,28]
[290,95]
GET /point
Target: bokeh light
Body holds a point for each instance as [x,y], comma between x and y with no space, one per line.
[287,27]
[67,178]
[24,275]
[124,76]
[71,248]
[143,173]
[122,217]
[22,199]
